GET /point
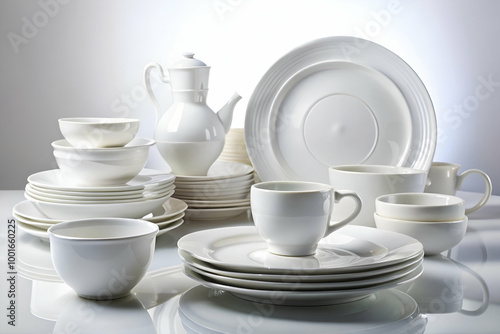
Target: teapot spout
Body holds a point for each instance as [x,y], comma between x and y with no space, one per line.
[225,114]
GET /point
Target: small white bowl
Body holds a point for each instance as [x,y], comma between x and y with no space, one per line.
[102,258]
[94,132]
[101,166]
[420,207]
[436,237]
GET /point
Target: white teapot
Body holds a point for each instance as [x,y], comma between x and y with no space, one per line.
[189,135]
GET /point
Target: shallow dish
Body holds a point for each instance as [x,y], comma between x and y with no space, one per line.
[420,207]
[436,237]
[98,132]
[89,254]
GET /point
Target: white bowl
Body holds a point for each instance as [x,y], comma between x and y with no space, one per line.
[420,207]
[102,258]
[66,211]
[94,132]
[436,237]
[102,166]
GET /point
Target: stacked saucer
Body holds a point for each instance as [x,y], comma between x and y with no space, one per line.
[349,265]
[52,200]
[223,193]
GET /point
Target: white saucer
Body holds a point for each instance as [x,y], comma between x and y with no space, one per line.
[350,249]
[215,213]
[207,311]
[304,298]
[320,106]
[172,207]
[147,178]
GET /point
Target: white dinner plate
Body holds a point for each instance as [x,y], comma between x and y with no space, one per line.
[350,249]
[286,277]
[215,213]
[303,298]
[332,102]
[147,178]
[208,311]
[304,286]
[220,170]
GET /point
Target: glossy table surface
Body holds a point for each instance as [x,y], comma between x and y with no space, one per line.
[461,294]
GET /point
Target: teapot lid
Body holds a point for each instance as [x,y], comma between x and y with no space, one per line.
[188,60]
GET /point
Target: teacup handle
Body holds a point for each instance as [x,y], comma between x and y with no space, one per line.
[339,195]
[484,287]
[487,192]
[147,81]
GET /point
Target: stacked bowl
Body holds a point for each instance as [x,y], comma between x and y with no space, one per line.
[101,174]
[222,193]
[438,221]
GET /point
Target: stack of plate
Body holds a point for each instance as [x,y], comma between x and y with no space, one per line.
[223,193]
[52,200]
[349,265]
[235,148]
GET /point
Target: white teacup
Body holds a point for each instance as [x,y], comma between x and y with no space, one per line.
[293,216]
[443,178]
[372,181]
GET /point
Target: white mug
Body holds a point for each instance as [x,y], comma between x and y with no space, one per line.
[293,216]
[443,178]
[372,181]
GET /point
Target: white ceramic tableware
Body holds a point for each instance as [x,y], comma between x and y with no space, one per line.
[102,166]
[372,181]
[443,178]
[221,170]
[189,135]
[146,180]
[436,237]
[66,211]
[102,258]
[94,132]
[352,249]
[216,213]
[292,216]
[331,102]
[420,207]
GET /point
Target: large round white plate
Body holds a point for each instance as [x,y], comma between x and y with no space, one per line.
[218,204]
[206,267]
[304,286]
[335,101]
[305,298]
[220,170]
[350,249]
[147,178]
[209,311]
[215,214]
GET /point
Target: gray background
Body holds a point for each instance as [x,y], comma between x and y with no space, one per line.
[61,58]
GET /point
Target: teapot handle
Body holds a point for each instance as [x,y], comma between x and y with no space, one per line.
[147,81]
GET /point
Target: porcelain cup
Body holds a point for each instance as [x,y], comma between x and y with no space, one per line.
[443,178]
[372,181]
[293,216]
